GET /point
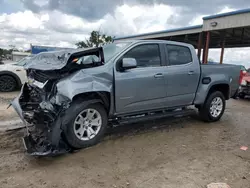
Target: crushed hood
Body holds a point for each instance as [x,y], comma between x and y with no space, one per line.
[59,59]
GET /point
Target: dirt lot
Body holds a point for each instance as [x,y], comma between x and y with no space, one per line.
[7,114]
[183,153]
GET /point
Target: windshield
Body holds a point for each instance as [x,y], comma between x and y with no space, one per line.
[22,61]
[110,50]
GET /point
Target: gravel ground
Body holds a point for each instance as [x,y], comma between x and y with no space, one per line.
[183,153]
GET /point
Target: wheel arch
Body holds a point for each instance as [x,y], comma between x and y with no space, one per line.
[223,88]
[95,96]
[205,90]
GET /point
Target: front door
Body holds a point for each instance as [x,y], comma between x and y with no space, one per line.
[141,88]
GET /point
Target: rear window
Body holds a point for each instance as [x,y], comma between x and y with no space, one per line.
[178,55]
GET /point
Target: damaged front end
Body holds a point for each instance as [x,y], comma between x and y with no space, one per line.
[43,120]
[41,107]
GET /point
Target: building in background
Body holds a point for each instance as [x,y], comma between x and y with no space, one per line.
[16,56]
[37,49]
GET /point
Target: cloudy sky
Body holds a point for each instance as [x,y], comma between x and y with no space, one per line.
[65,22]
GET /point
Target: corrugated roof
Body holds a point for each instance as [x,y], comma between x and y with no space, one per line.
[160,32]
[227,14]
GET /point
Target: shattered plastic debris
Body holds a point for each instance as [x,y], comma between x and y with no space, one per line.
[218,185]
[244,148]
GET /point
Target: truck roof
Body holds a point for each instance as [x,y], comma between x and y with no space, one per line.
[156,41]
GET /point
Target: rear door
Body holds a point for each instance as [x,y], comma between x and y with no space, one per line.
[141,88]
[182,75]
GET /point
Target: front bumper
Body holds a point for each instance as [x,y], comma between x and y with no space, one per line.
[31,148]
[43,135]
[245,90]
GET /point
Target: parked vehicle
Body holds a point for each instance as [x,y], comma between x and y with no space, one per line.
[244,88]
[12,75]
[243,72]
[71,97]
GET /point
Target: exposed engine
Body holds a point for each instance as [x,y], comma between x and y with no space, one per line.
[40,110]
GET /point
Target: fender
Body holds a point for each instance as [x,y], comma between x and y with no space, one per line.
[19,83]
[204,89]
[83,82]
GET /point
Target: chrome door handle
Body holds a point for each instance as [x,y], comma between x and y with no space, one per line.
[159,75]
[190,72]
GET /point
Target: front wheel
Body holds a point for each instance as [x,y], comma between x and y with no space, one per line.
[213,108]
[86,125]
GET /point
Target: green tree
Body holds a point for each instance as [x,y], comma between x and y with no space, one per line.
[4,52]
[96,39]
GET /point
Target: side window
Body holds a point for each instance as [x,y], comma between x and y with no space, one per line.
[146,55]
[178,55]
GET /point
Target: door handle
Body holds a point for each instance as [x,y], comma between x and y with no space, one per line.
[190,72]
[159,75]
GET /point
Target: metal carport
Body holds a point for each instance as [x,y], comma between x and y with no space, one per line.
[227,30]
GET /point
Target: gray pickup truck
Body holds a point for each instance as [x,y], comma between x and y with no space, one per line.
[72,96]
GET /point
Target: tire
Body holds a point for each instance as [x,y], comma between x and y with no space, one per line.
[206,112]
[7,83]
[74,124]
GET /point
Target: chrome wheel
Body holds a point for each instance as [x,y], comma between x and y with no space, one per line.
[216,107]
[87,124]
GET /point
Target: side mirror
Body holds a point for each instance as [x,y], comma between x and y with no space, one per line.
[129,63]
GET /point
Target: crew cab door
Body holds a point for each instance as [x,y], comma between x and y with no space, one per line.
[140,88]
[182,75]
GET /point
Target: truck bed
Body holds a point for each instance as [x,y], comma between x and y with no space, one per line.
[227,72]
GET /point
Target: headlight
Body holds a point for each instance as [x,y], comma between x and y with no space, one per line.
[243,83]
[33,82]
[30,80]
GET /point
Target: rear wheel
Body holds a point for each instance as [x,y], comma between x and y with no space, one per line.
[213,108]
[7,83]
[86,124]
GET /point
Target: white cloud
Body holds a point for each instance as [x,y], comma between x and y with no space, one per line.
[137,19]
[47,28]
[226,9]
[197,20]
[59,29]
[238,56]
[41,2]
[21,20]
[55,28]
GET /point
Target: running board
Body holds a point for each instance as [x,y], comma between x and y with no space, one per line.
[154,116]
